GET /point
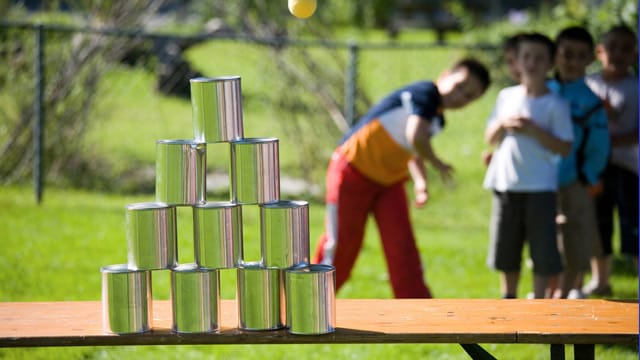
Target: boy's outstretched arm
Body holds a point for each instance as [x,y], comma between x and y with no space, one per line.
[419,137]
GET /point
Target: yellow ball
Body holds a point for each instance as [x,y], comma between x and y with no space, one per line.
[302,9]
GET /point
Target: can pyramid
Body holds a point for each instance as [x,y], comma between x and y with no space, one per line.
[281,290]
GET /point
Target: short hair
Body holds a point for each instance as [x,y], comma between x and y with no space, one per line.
[575,33]
[620,30]
[476,68]
[541,39]
[511,43]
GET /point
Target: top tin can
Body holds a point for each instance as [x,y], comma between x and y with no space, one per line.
[216,108]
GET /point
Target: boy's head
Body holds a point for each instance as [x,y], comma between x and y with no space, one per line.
[509,52]
[574,52]
[463,83]
[535,54]
[617,51]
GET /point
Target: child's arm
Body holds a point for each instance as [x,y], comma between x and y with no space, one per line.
[419,137]
[419,177]
[525,126]
[626,139]
[494,133]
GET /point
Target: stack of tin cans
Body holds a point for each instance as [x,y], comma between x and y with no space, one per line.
[281,290]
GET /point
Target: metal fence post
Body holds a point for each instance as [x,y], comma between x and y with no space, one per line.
[351,83]
[38,123]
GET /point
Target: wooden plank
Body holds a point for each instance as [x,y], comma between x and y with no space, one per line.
[358,321]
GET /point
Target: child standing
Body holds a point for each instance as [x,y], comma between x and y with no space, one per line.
[509,52]
[579,172]
[618,88]
[368,170]
[531,127]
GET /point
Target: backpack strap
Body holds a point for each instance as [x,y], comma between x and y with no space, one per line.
[582,121]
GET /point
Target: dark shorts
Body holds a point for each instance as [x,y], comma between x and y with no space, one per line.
[520,217]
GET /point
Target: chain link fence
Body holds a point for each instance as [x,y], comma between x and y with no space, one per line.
[73,95]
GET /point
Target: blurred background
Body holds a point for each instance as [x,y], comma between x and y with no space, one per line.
[89,86]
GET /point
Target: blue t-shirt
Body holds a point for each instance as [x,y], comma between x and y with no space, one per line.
[591,143]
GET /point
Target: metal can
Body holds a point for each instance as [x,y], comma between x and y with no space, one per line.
[126,300]
[284,234]
[218,235]
[180,172]
[217,108]
[260,295]
[151,236]
[195,299]
[255,171]
[310,299]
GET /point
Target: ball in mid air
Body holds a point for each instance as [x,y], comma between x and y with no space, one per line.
[302,9]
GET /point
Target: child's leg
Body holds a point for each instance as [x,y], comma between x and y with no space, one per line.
[576,235]
[509,284]
[540,222]
[600,262]
[349,198]
[403,259]
[627,204]
[506,233]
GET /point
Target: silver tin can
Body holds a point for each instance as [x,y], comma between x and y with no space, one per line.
[152,239]
[310,299]
[260,294]
[217,108]
[195,299]
[180,172]
[255,171]
[126,300]
[217,230]
[284,234]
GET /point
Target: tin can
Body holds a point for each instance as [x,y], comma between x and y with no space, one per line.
[260,298]
[217,108]
[195,299]
[180,172]
[310,299]
[284,234]
[151,236]
[255,171]
[126,300]
[218,235]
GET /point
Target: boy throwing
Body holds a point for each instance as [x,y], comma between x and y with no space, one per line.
[368,170]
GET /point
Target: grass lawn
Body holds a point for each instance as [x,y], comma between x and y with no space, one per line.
[54,251]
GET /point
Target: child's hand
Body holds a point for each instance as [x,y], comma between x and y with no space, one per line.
[446,172]
[594,189]
[421,196]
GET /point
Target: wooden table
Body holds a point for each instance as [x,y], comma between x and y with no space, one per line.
[469,322]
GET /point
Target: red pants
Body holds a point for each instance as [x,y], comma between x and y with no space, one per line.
[350,198]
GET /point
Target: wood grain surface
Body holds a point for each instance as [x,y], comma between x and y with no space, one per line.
[79,323]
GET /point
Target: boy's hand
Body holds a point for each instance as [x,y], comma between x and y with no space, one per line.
[594,189]
[445,170]
[421,196]
[519,124]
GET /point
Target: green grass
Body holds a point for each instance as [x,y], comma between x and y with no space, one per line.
[53,252]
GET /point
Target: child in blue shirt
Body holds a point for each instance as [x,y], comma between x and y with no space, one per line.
[579,172]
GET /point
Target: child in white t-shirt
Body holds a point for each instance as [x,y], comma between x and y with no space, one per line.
[531,128]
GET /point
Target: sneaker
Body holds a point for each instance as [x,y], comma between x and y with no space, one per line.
[576,294]
[593,289]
